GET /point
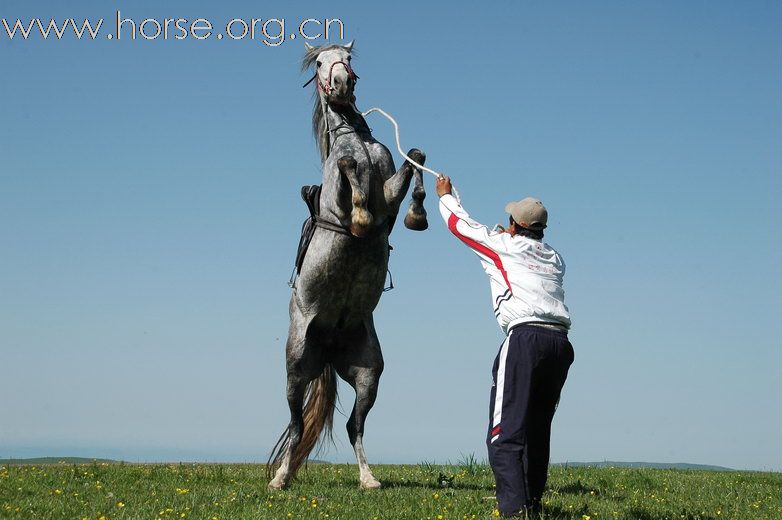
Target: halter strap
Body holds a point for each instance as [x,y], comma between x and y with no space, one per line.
[326,89]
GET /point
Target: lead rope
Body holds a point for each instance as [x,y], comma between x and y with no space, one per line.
[385,114]
[437,174]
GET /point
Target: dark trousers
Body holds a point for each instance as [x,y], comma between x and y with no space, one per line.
[528,376]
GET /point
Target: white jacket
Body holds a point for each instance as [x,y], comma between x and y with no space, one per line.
[525,274]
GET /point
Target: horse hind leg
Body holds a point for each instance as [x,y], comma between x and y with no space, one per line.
[364,379]
[291,437]
[311,403]
[366,384]
[415,218]
[360,218]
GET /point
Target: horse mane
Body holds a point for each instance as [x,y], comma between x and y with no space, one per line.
[318,123]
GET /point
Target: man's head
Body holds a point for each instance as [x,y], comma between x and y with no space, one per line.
[527,217]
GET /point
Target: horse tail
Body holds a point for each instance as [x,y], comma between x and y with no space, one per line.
[320,400]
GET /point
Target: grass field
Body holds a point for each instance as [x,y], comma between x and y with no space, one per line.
[425,491]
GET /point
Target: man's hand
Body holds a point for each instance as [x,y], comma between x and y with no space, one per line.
[443,186]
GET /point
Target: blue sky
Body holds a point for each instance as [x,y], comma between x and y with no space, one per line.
[149,215]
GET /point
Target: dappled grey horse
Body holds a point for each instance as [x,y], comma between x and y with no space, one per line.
[343,272]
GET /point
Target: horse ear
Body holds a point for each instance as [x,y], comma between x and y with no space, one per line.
[308,46]
[349,46]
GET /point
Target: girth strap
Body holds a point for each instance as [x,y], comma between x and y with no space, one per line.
[331,226]
[342,230]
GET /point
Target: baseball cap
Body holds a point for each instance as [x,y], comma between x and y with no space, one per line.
[530,211]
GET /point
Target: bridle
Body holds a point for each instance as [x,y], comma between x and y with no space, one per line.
[341,129]
[326,88]
[319,221]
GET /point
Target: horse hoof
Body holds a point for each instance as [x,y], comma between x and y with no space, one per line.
[416,221]
[276,485]
[370,483]
[361,222]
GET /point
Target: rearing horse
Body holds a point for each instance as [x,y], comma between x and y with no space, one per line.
[342,276]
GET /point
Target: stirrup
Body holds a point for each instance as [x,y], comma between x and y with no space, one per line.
[390,285]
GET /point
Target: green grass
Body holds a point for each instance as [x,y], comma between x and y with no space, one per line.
[55,460]
[424,491]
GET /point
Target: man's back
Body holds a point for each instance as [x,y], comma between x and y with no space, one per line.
[526,275]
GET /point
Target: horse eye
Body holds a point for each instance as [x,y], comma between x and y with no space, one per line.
[317,63]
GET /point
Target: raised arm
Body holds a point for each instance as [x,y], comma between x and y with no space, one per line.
[473,233]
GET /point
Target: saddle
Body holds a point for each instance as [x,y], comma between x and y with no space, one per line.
[311,197]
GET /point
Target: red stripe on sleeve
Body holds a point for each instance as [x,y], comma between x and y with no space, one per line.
[452,220]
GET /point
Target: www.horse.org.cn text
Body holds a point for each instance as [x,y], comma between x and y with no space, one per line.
[271,32]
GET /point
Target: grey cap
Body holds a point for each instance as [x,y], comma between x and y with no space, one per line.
[530,211]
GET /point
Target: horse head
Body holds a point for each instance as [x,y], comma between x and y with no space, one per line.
[334,76]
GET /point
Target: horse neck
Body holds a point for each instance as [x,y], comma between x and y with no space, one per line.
[344,122]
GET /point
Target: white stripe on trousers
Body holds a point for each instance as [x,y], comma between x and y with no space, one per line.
[500,385]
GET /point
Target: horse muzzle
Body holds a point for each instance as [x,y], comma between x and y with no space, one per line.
[338,88]
[341,91]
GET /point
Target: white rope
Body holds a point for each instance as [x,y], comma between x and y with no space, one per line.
[399,145]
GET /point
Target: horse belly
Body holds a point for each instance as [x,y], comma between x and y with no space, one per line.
[342,274]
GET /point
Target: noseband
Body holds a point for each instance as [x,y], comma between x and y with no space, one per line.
[326,88]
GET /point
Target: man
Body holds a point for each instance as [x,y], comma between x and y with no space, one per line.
[525,276]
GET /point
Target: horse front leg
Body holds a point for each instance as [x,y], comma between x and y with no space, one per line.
[416,214]
[360,218]
[397,185]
